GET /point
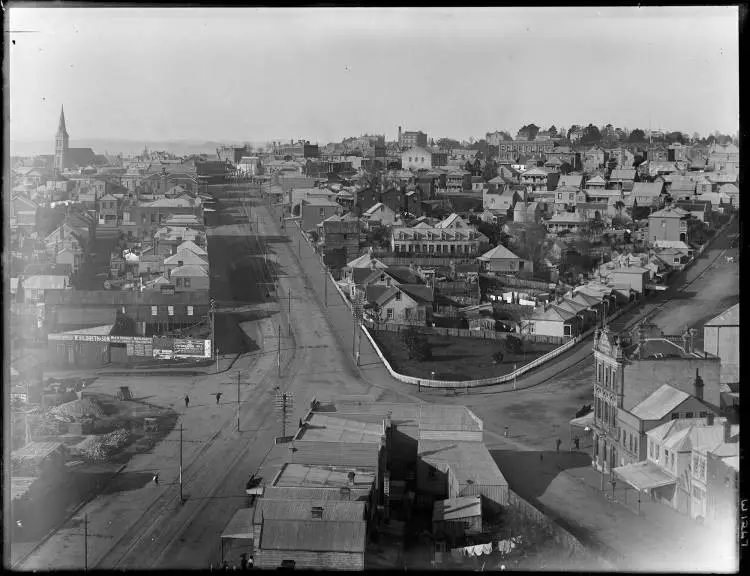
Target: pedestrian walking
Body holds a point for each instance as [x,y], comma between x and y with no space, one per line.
[243,561]
[577,443]
[250,562]
[506,432]
[156,478]
[300,422]
[187,400]
[557,445]
[218,397]
[541,456]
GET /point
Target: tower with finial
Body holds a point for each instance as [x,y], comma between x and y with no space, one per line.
[61,143]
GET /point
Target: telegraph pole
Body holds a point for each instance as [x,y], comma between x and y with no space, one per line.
[325,284]
[238,401]
[289,312]
[182,498]
[278,357]
[85,541]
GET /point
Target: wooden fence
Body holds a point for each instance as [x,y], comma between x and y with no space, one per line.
[464,333]
[525,283]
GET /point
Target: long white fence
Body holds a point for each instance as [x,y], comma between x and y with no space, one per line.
[509,380]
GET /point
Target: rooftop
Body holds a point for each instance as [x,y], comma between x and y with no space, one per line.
[313,535]
[320,476]
[471,462]
[335,511]
[730,317]
[660,403]
[328,428]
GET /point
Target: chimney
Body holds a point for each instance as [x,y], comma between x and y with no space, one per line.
[710,419]
[698,385]
[317,512]
[180,263]
[727,431]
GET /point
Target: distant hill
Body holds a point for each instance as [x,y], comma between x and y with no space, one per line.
[114,146]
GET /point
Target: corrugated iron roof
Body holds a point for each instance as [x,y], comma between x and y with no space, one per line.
[322,476]
[730,317]
[328,428]
[660,403]
[313,536]
[333,510]
[471,462]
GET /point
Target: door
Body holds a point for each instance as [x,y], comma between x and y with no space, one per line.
[71,354]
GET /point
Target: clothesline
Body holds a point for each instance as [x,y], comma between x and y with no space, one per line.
[501,546]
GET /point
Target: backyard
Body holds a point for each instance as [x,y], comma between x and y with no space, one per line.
[455,358]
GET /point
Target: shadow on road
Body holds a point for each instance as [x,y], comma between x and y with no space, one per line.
[125,482]
[529,474]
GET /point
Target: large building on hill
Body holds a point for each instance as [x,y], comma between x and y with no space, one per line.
[66,157]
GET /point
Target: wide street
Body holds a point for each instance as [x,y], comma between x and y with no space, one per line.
[137,525]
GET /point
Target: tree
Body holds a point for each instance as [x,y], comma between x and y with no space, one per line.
[552,131]
[591,134]
[513,344]
[418,345]
[637,135]
[448,143]
[531,129]
[295,210]
[490,170]
[469,167]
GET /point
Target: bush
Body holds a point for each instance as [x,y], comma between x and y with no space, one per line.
[513,344]
[418,345]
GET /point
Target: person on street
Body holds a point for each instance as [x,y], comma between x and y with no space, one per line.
[218,397]
[243,561]
[557,445]
[250,562]
[541,456]
[156,478]
[187,400]
[506,432]
[577,443]
[300,422]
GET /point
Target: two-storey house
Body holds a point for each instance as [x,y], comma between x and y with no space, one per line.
[670,224]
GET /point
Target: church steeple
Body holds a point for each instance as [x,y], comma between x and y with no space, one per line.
[61,143]
[61,126]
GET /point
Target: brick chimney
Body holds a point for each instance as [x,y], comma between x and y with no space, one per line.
[698,385]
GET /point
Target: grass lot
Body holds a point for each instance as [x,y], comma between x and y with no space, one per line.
[456,358]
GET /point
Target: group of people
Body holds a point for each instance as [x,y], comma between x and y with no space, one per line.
[246,563]
[217,394]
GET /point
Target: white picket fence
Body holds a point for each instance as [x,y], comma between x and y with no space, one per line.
[509,380]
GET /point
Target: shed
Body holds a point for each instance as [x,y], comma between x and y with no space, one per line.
[312,544]
[457,516]
[238,536]
[453,469]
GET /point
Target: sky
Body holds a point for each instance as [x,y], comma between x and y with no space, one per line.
[233,75]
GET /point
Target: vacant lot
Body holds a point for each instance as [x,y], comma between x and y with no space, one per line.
[456,358]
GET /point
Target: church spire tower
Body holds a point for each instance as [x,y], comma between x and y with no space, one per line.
[61,143]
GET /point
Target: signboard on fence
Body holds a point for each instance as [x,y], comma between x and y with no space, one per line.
[191,348]
[97,338]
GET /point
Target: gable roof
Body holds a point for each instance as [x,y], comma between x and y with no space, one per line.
[313,535]
[192,247]
[660,403]
[730,317]
[457,508]
[575,180]
[418,292]
[669,212]
[190,270]
[470,462]
[365,261]
[187,257]
[597,180]
[622,174]
[647,188]
[497,253]
[552,314]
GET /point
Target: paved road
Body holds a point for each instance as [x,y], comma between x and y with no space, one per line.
[137,525]
[566,496]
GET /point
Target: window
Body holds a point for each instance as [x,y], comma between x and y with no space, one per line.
[189,310]
[407,313]
[178,282]
[187,282]
[704,414]
[389,313]
[688,414]
[154,310]
[675,415]
[598,372]
[398,296]
[170,310]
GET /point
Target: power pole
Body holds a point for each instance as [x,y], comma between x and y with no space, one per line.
[182,498]
[238,401]
[85,541]
[284,403]
[325,284]
[289,312]
[278,357]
